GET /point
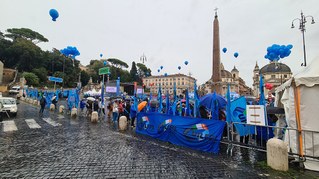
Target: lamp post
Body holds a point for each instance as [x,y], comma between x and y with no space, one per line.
[302,27]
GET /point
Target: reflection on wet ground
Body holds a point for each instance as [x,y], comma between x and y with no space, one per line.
[78,148]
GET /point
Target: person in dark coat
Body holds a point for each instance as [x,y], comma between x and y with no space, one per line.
[42,104]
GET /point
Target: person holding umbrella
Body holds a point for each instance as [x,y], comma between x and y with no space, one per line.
[54,101]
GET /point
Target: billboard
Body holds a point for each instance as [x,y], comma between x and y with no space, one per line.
[110,89]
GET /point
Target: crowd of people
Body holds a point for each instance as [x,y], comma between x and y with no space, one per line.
[109,109]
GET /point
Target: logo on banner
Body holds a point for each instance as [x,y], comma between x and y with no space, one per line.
[240,113]
[144,123]
[197,132]
[164,125]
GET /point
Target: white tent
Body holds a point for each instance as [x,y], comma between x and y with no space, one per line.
[301,102]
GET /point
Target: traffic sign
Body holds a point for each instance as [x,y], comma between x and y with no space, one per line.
[55,79]
[104,71]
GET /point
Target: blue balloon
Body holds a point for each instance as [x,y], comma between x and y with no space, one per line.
[161,67]
[236,54]
[186,62]
[224,50]
[276,52]
[158,70]
[105,63]
[289,46]
[54,14]
[165,74]
[101,55]
[179,67]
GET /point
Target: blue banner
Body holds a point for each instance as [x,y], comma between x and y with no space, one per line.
[194,133]
[238,114]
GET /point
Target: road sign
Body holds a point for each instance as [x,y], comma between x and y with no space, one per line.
[104,71]
[55,79]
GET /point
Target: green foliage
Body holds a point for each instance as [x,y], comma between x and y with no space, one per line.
[22,53]
[27,34]
[31,78]
[41,74]
[84,78]
[117,63]
[133,72]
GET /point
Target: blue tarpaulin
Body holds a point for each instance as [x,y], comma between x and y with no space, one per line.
[194,133]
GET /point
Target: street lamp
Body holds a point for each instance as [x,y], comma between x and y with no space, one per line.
[302,27]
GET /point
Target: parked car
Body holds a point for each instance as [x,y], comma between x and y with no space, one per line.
[9,105]
[14,90]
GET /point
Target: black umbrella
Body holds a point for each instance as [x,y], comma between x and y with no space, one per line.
[275,110]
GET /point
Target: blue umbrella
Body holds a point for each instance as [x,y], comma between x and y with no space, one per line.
[207,101]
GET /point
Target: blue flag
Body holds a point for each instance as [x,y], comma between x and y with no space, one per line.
[175,97]
[196,103]
[102,94]
[167,102]
[118,86]
[215,108]
[238,113]
[187,111]
[228,106]
[159,98]
[261,90]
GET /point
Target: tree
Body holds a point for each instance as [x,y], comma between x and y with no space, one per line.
[84,78]
[24,55]
[31,78]
[27,34]
[117,63]
[133,72]
[41,74]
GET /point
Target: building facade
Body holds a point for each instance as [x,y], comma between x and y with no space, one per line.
[275,73]
[167,83]
[232,78]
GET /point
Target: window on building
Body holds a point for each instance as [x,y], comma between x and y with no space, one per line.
[285,76]
[273,76]
[182,78]
[170,83]
[178,79]
[183,83]
[178,83]
[166,83]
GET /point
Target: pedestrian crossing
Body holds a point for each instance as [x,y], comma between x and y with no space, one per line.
[11,125]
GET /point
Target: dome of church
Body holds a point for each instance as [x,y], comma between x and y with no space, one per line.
[225,74]
[234,70]
[275,67]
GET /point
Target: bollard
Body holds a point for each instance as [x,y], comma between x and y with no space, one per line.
[277,155]
[35,102]
[22,98]
[123,123]
[38,103]
[74,112]
[61,109]
[94,117]
[52,107]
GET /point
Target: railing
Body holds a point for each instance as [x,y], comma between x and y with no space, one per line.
[302,148]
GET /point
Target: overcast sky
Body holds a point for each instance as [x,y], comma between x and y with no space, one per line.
[169,32]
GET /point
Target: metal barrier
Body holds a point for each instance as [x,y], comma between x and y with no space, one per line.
[258,140]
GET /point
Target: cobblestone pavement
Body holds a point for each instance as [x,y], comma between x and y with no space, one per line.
[55,146]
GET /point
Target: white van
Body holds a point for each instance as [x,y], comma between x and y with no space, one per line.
[8,104]
[14,90]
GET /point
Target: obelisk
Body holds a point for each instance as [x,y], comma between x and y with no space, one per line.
[216,77]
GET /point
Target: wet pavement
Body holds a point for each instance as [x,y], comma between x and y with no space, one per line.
[56,146]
